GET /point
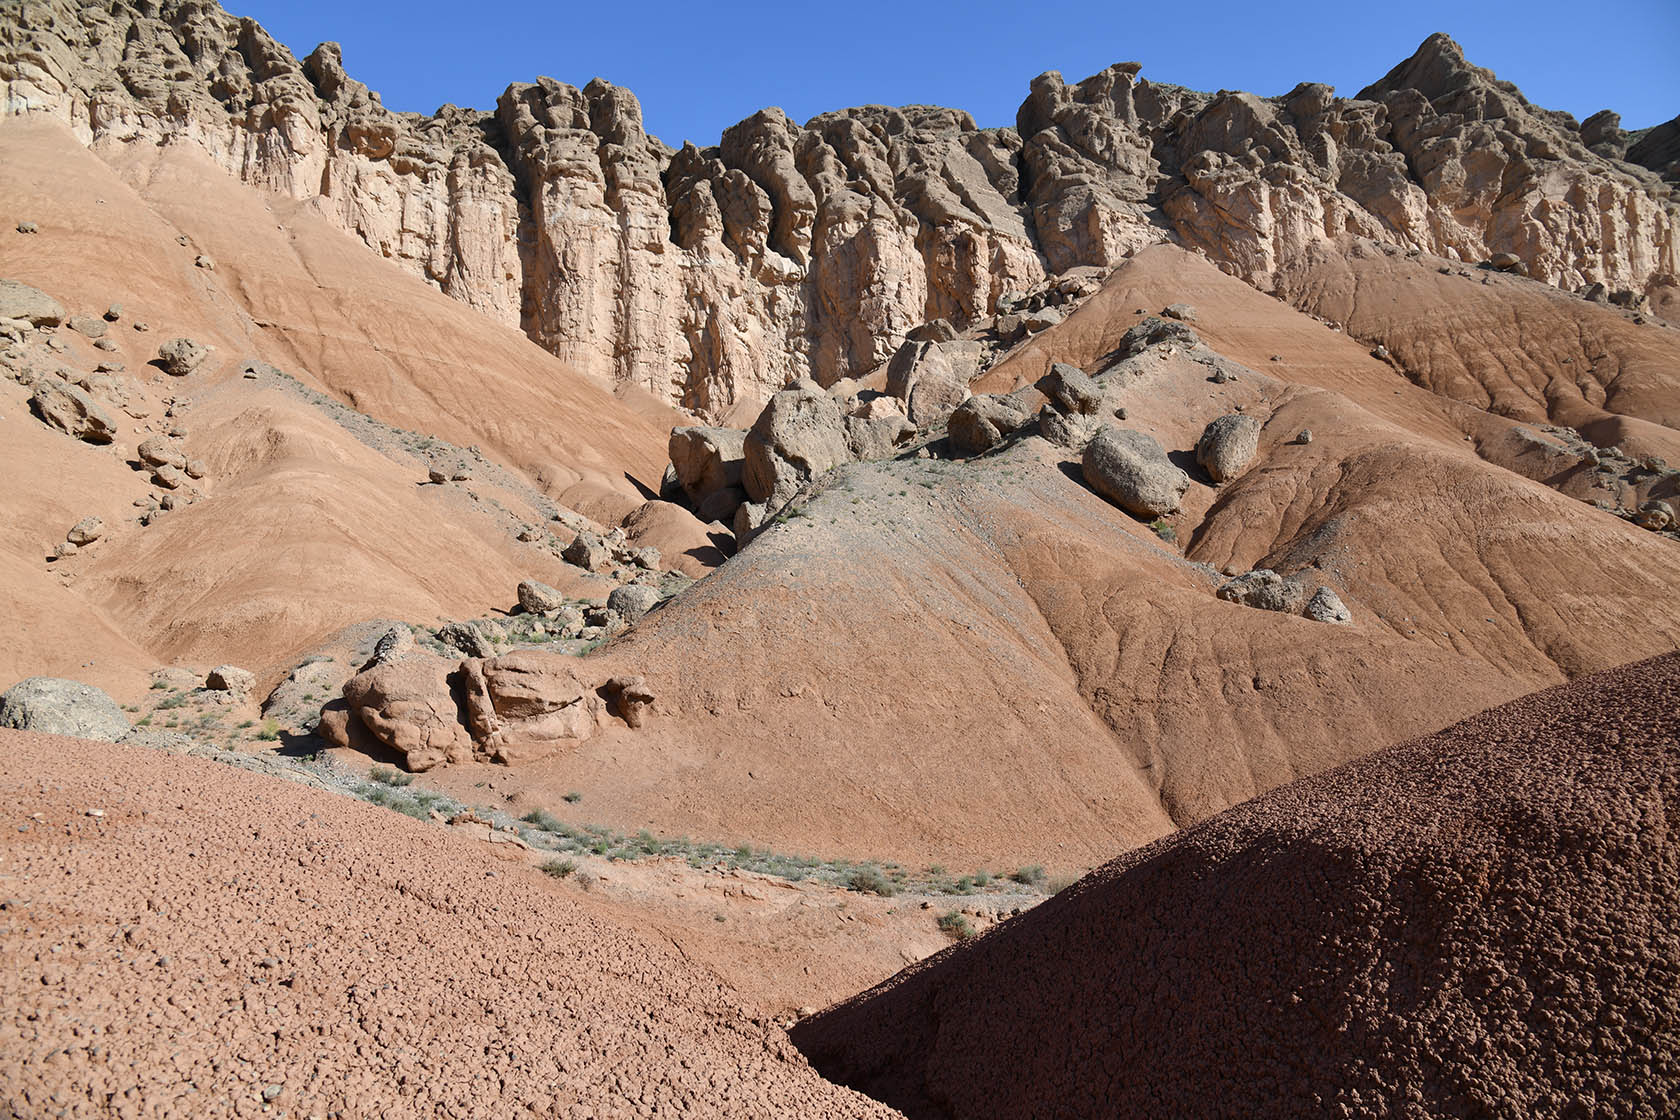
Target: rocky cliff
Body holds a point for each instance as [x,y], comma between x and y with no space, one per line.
[716,275]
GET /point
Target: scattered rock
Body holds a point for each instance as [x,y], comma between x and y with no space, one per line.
[113,313]
[1183,312]
[54,706]
[1326,606]
[1041,319]
[631,698]
[1655,515]
[1264,590]
[1223,376]
[28,227]
[230,678]
[159,452]
[932,378]
[87,326]
[85,531]
[633,600]
[1304,436]
[105,344]
[1131,470]
[1067,429]
[467,639]
[195,468]
[1071,390]
[539,598]
[437,477]
[799,435]
[170,478]
[61,550]
[204,262]
[71,411]
[180,356]
[1228,445]
[707,460]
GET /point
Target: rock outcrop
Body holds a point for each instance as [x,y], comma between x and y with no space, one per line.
[716,275]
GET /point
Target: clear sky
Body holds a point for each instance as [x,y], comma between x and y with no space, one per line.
[699,67]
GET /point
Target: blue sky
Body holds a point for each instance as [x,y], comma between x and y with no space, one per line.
[699,67]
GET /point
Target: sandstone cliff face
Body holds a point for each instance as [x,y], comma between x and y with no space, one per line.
[714,276]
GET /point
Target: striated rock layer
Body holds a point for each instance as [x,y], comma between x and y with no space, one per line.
[1481,922]
[716,275]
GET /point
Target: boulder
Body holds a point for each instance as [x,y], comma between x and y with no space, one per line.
[54,706]
[1655,515]
[1228,445]
[1071,390]
[180,356]
[522,705]
[33,306]
[85,531]
[981,423]
[536,597]
[1071,430]
[170,478]
[467,639]
[934,330]
[931,378]
[1264,590]
[707,459]
[407,702]
[1131,470]
[799,435]
[1155,332]
[588,551]
[878,437]
[1041,319]
[158,451]
[633,600]
[1327,606]
[70,410]
[1183,312]
[230,678]
[720,505]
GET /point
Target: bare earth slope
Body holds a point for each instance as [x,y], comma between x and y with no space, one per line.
[1483,922]
[212,935]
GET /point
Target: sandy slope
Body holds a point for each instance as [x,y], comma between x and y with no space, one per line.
[304,528]
[213,934]
[1478,923]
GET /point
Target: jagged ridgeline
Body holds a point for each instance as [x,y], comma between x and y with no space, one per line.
[716,275]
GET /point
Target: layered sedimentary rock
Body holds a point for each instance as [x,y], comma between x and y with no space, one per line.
[717,275]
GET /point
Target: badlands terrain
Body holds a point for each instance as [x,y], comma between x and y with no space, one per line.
[1168,608]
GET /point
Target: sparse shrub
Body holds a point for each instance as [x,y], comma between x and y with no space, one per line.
[145,721]
[1163,530]
[982,878]
[156,685]
[390,776]
[1029,875]
[573,797]
[247,725]
[559,868]
[173,702]
[869,880]
[955,925]
[270,731]
[546,821]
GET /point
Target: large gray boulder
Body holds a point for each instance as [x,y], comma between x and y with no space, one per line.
[536,597]
[632,600]
[67,408]
[1327,606]
[1131,470]
[32,305]
[1228,445]
[799,435]
[707,459]
[879,435]
[981,423]
[1071,390]
[54,706]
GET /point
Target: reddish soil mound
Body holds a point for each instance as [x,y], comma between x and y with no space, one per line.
[1484,922]
[213,935]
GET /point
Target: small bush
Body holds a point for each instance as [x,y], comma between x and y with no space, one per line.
[156,685]
[869,880]
[1027,876]
[173,702]
[270,731]
[247,725]
[145,721]
[547,821]
[559,868]
[1163,530]
[390,776]
[955,924]
[573,797]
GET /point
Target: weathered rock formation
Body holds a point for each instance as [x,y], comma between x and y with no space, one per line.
[720,274]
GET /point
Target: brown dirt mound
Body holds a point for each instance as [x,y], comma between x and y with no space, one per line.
[1484,922]
[214,934]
